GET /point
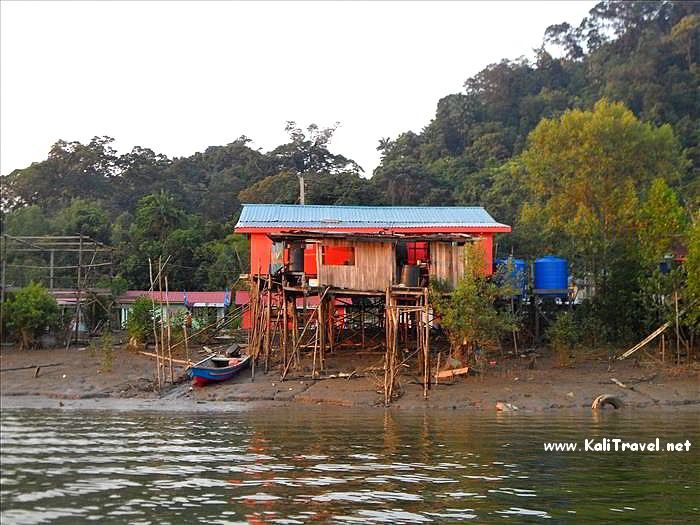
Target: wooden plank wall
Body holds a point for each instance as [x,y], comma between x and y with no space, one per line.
[446,262]
[373,270]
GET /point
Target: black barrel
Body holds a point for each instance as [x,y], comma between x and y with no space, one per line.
[410,275]
[296,258]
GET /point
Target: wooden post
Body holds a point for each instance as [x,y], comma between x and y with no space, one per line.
[187,348]
[78,301]
[285,325]
[153,322]
[391,331]
[167,320]
[274,333]
[51,260]
[437,370]
[362,321]
[331,330]
[2,284]
[295,329]
[268,316]
[160,310]
[663,348]
[678,331]
[425,321]
[321,328]
[316,345]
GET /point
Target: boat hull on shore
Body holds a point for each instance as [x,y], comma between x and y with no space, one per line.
[215,369]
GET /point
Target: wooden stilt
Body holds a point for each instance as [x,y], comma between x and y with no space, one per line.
[153,322]
[425,322]
[321,327]
[285,325]
[167,320]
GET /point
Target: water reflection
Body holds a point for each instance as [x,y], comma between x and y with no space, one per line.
[312,465]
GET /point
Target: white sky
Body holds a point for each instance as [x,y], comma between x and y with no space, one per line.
[178,76]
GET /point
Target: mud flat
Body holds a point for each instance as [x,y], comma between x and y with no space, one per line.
[78,382]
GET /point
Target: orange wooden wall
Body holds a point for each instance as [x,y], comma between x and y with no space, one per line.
[260,246]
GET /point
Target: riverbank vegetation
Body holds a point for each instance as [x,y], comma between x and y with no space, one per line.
[589,149]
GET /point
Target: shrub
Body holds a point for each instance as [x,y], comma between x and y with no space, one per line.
[139,325]
[106,351]
[469,313]
[31,311]
[564,335]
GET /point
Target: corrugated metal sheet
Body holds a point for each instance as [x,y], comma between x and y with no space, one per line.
[338,217]
[174,297]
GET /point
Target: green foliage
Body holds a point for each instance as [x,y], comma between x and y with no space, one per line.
[585,169]
[30,220]
[84,217]
[281,188]
[469,312]
[30,311]
[692,267]
[104,349]
[139,324]
[612,158]
[662,221]
[586,173]
[224,261]
[564,334]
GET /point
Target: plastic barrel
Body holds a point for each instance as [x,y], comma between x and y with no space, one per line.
[551,276]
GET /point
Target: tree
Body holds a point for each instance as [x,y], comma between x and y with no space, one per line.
[29,312]
[586,173]
[282,188]
[662,222]
[71,170]
[224,260]
[84,217]
[139,324]
[157,215]
[469,313]
[307,153]
[586,170]
[692,268]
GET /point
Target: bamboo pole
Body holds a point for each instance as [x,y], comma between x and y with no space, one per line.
[321,328]
[153,322]
[316,344]
[426,343]
[167,320]
[678,331]
[160,306]
[285,325]
[268,315]
[306,326]
[185,362]
[187,348]
[274,334]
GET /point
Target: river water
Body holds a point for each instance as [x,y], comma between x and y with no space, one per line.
[337,465]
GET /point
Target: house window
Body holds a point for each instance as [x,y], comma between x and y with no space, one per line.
[417,251]
[338,255]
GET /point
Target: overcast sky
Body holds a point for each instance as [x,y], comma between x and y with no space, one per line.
[177,76]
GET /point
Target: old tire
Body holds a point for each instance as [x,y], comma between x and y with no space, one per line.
[606,399]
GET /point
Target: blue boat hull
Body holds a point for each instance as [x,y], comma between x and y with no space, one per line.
[203,374]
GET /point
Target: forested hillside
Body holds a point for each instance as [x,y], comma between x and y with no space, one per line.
[581,153]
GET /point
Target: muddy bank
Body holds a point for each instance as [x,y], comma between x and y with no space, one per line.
[81,381]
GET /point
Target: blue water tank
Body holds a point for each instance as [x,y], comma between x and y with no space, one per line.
[551,273]
[518,274]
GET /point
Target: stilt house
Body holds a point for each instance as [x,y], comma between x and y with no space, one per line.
[378,260]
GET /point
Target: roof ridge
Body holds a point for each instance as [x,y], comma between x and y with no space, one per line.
[301,206]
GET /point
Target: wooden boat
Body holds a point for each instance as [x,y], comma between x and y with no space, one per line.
[217,368]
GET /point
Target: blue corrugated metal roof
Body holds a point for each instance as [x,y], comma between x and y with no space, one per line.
[313,216]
